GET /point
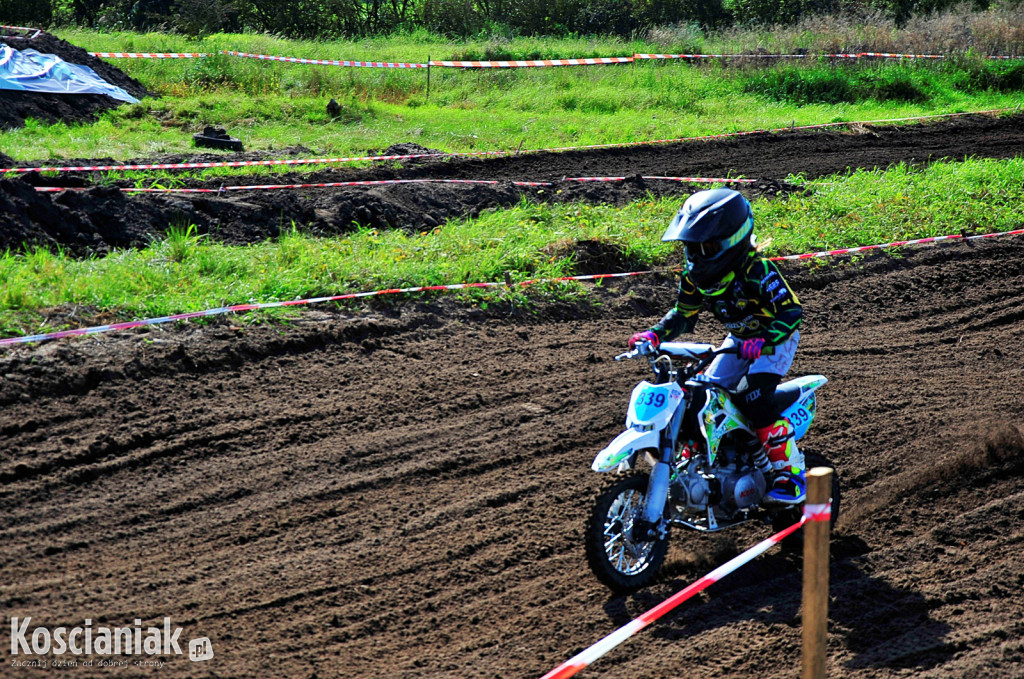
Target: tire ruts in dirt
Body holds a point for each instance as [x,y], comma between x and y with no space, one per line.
[401,491]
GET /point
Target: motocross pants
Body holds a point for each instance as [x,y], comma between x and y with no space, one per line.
[755,382]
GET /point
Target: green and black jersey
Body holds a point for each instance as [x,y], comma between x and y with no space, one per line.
[758,303]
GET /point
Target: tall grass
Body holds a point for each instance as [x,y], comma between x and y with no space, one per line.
[186,273]
[998,29]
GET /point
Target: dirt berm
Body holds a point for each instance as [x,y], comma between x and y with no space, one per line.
[101,219]
[401,492]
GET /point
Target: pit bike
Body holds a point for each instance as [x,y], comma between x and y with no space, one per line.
[708,470]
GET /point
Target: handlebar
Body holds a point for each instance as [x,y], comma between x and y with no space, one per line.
[641,349]
[678,349]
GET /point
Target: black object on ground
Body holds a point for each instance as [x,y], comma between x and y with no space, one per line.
[217,138]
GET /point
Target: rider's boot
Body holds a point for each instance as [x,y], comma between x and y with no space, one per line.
[778,441]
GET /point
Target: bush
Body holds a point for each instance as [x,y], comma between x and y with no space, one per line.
[915,25]
[803,87]
[891,85]
[768,12]
[975,74]
[705,13]
[606,16]
[451,17]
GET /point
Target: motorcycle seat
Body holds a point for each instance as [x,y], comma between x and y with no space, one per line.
[786,395]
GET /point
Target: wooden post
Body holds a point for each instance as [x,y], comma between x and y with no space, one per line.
[815,605]
[428,77]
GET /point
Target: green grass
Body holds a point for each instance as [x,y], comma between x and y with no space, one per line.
[187,272]
[271,105]
[893,82]
[900,203]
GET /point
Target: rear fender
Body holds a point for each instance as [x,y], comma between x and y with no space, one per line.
[802,413]
[624,448]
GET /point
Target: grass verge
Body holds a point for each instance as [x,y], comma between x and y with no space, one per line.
[186,272]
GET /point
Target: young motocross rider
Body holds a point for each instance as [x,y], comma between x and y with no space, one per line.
[748,295]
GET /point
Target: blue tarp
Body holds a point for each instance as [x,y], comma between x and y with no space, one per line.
[31,71]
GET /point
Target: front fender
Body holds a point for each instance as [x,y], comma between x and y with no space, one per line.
[623,447]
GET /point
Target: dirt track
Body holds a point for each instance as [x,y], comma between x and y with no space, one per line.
[401,494]
[96,221]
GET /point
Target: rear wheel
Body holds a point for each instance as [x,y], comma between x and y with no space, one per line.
[620,561]
[787,517]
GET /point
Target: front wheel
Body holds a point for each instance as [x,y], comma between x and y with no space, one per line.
[616,558]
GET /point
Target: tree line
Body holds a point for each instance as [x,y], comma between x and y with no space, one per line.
[455,18]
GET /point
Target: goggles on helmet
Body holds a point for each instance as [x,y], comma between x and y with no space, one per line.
[702,250]
[711,250]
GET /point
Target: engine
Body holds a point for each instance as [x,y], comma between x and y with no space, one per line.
[731,489]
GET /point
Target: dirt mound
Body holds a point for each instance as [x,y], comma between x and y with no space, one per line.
[594,256]
[82,224]
[264,487]
[407,149]
[16,107]
[244,217]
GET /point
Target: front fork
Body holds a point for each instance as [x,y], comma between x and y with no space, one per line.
[653,521]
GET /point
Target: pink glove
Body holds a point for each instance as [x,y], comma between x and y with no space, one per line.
[750,349]
[645,336]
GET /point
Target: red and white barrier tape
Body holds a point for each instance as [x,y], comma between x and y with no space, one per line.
[430,288]
[822,512]
[532,63]
[855,55]
[557,149]
[382,182]
[581,660]
[884,55]
[895,244]
[149,55]
[514,63]
[721,56]
[297,302]
[511,63]
[322,185]
[323,62]
[226,163]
